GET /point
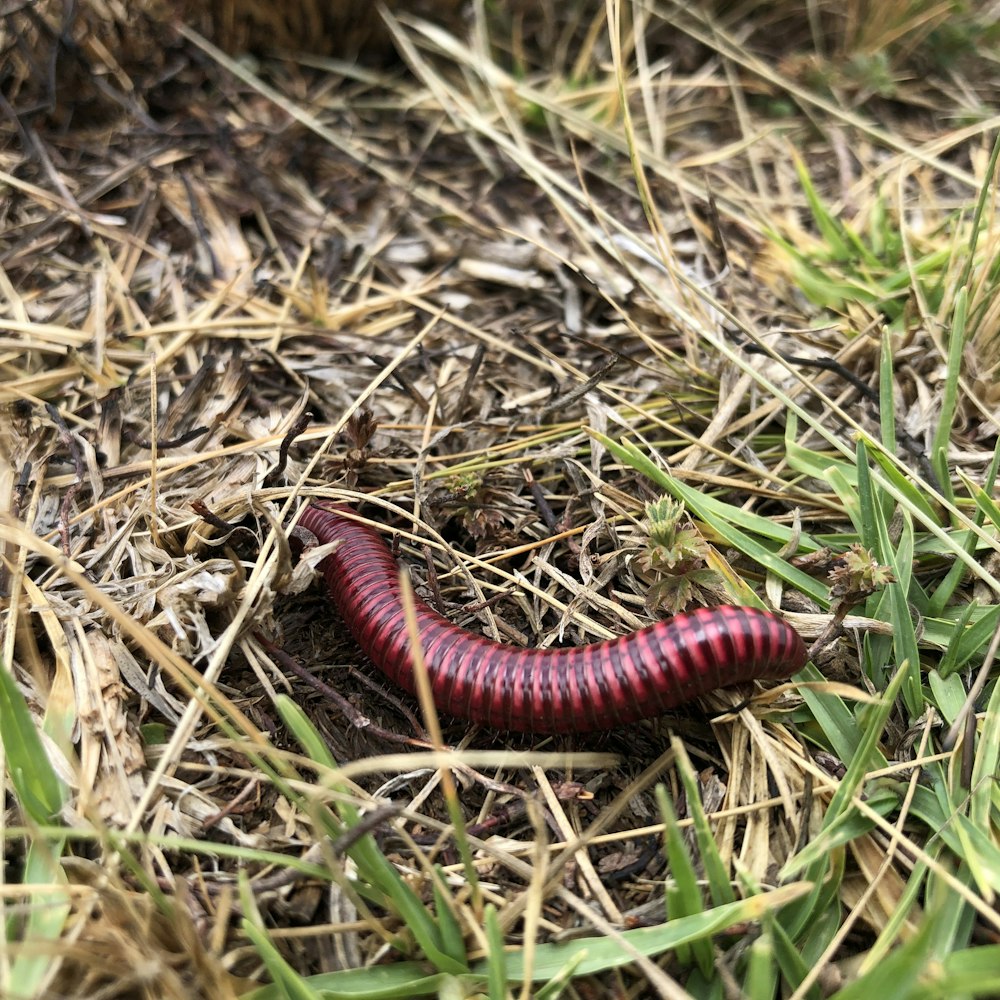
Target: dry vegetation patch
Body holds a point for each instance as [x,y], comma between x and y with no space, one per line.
[513,275]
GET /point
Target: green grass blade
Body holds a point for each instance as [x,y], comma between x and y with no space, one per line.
[899,558]
[790,962]
[702,987]
[808,462]
[629,454]
[684,897]
[603,954]
[898,975]
[761,979]
[821,931]
[985,504]
[673,899]
[558,984]
[46,920]
[835,720]
[288,984]
[719,887]
[985,769]
[905,633]
[591,955]
[496,967]
[826,874]
[830,228]
[949,399]
[913,494]
[850,825]
[35,781]
[945,590]
[890,933]
[304,732]
[947,694]
[868,526]
[971,972]
[866,758]
[953,918]
[452,940]
[886,400]
[966,640]
[986,192]
[399,981]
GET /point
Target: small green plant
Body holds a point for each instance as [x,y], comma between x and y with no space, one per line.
[878,266]
[674,559]
[861,264]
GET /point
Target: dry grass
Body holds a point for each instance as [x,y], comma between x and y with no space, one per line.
[470,270]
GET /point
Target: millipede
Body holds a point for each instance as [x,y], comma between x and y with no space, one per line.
[562,690]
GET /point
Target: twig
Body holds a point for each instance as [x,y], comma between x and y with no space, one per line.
[273,478]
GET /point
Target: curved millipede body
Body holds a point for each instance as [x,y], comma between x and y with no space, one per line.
[574,690]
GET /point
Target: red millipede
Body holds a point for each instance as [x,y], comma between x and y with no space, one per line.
[581,689]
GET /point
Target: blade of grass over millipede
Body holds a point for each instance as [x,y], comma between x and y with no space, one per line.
[426,697]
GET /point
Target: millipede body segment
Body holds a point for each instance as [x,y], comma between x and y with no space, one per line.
[580,689]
